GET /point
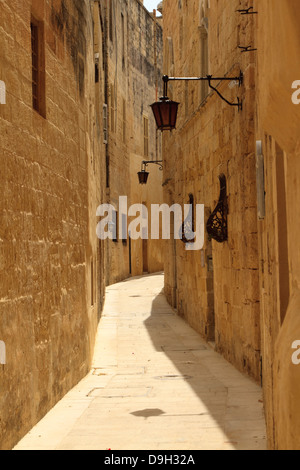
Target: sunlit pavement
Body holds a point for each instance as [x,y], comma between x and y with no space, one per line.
[154,385]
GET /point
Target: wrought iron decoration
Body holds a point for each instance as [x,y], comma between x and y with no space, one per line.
[247,48]
[217,222]
[247,11]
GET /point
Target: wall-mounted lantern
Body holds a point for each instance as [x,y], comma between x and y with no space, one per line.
[165,110]
[165,113]
[143,174]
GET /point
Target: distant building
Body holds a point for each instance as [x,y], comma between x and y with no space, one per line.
[133,70]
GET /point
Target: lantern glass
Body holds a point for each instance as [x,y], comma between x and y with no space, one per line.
[165,113]
[143,177]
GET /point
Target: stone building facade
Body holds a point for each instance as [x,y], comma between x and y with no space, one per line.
[52,278]
[242,294]
[215,289]
[277,128]
[74,79]
[51,177]
[134,68]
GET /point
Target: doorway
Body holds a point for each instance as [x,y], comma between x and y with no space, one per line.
[145,256]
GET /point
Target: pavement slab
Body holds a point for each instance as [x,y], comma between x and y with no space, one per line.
[155,384]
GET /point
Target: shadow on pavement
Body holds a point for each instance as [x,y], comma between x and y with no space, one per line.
[223,397]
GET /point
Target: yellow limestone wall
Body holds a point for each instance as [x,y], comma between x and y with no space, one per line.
[278,43]
[51,183]
[249,302]
[215,289]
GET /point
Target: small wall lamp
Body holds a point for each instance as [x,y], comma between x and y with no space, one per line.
[143,174]
[165,111]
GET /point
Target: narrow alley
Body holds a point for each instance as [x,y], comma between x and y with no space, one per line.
[154,384]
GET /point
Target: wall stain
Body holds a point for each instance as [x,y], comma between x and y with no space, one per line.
[71,27]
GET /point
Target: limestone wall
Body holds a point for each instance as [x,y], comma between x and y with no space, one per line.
[278,129]
[146,255]
[249,303]
[216,289]
[51,178]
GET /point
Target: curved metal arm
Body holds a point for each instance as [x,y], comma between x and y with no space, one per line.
[238,104]
[155,162]
[208,78]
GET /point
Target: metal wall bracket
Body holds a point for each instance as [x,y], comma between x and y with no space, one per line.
[239,103]
[209,79]
[154,162]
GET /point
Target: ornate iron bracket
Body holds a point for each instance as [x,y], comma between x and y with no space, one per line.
[239,80]
[217,222]
[155,162]
[239,103]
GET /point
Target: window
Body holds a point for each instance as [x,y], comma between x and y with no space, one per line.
[115,228]
[38,67]
[124,121]
[35,65]
[92,283]
[192,205]
[112,109]
[111,20]
[97,68]
[282,224]
[204,53]
[105,129]
[123,40]
[146,136]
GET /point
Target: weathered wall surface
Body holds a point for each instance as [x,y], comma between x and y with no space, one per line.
[278,129]
[51,180]
[134,49]
[215,289]
[250,301]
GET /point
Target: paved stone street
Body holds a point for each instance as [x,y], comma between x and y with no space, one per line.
[154,385]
